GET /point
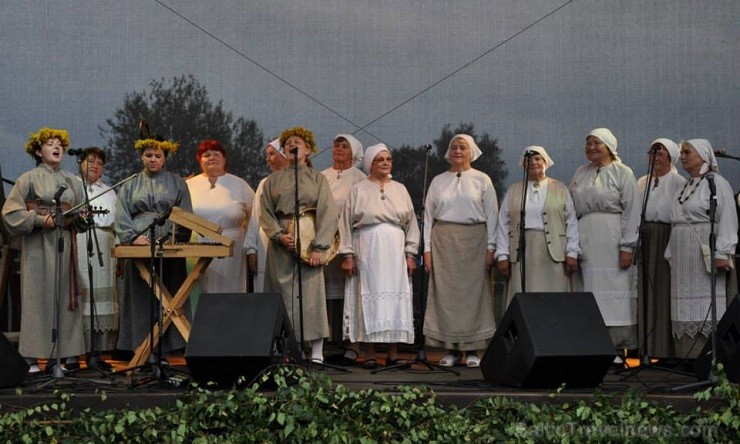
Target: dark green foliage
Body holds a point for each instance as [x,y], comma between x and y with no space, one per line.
[305,407]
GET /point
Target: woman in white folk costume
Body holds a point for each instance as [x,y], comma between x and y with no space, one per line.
[459,248]
[105,310]
[255,243]
[346,153]
[277,204]
[141,201]
[654,300]
[689,244]
[551,231]
[224,199]
[603,192]
[28,213]
[379,242]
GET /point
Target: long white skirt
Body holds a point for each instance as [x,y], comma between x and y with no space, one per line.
[691,284]
[614,288]
[377,300]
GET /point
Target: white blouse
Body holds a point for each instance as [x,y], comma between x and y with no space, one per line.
[609,189]
[367,205]
[105,202]
[533,220]
[341,181]
[464,198]
[660,200]
[695,209]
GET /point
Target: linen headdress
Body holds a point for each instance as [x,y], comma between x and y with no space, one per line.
[370,154]
[606,136]
[475,152]
[539,150]
[356,147]
[276,144]
[671,147]
[705,151]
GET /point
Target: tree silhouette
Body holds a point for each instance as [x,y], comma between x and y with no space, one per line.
[181,111]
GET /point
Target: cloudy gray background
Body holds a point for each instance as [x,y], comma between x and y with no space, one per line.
[526,72]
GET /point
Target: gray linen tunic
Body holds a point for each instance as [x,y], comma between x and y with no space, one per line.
[277,206]
[38,264]
[140,201]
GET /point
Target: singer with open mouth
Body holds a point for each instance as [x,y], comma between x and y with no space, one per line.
[141,201]
[688,248]
[316,210]
[29,213]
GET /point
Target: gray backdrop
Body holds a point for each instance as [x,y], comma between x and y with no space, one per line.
[526,72]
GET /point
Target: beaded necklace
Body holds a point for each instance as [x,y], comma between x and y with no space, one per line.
[693,189]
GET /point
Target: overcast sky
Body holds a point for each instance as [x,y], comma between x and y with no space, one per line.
[529,72]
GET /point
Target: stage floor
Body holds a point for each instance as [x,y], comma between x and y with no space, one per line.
[87,385]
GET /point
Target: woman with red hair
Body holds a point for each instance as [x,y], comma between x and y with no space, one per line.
[226,200]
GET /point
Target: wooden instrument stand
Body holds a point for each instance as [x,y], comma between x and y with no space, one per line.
[173,311]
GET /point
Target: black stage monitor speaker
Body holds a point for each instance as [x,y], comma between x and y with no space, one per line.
[728,346]
[546,339]
[13,368]
[239,334]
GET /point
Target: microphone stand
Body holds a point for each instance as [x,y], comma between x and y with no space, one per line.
[521,251]
[57,373]
[297,244]
[154,359]
[297,263]
[421,356]
[645,361]
[93,360]
[712,377]
[58,221]
[56,337]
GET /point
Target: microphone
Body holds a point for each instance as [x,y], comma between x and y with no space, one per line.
[162,218]
[76,152]
[428,147]
[720,153]
[530,153]
[712,186]
[59,192]
[293,150]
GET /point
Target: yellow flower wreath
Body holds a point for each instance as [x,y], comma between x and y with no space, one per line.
[36,140]
[301,132]
[164,145]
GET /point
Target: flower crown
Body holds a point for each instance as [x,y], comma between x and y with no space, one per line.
[301,132]
[36,140]
[164,145]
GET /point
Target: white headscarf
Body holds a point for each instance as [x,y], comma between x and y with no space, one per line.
[606,136]
[356,147]
[276,144]
[539,150]
[672,148]
[705,151]
[370,154]
[475,152]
